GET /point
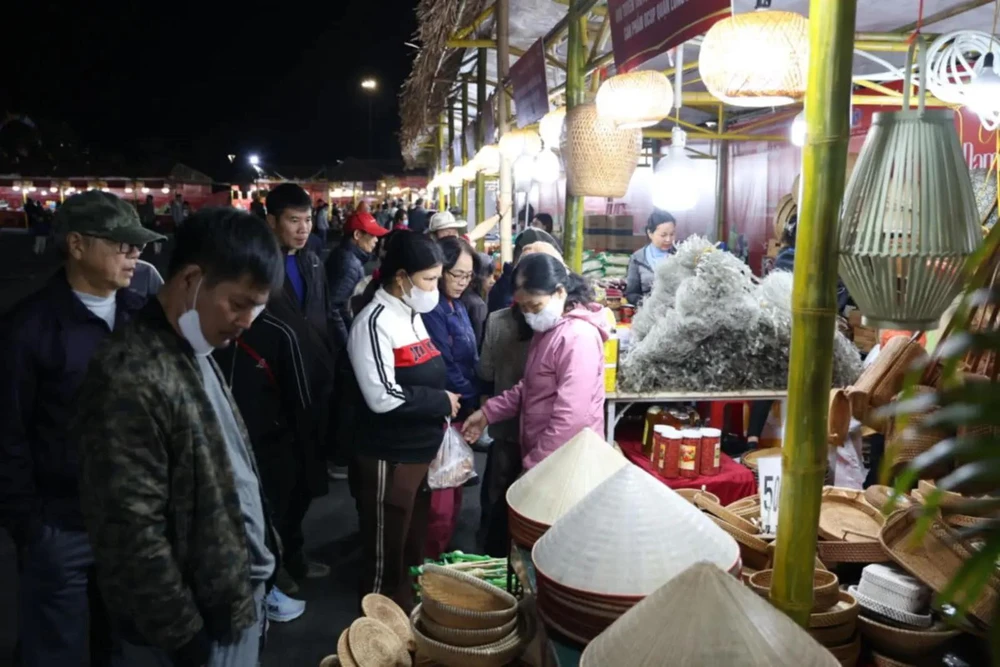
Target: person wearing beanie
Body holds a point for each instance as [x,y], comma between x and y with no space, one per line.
[502,294]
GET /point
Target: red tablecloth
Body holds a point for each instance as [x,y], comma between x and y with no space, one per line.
[735,481]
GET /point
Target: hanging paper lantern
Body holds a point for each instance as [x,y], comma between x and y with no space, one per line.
[524,172]
[910,218]
[600,158]
[675,179]
[546,167]
[756,59]
[488,159]
[550,127]
[636,99]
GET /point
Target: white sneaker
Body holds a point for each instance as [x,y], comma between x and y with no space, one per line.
[281,608]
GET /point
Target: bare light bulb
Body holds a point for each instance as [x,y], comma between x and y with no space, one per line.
[797,134]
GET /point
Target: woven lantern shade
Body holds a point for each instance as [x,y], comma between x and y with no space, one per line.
[910,218]
[599,157]
[757,59]
[636,99]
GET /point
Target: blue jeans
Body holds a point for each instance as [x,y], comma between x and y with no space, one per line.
[243,652]
[54,607]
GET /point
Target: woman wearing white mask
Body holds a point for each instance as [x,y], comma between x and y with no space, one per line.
[563,387]
[400,416]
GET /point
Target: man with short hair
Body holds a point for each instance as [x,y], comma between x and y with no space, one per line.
[170,490]
[49,340]
[418,217]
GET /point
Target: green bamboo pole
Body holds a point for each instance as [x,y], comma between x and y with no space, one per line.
[465,147]
[814,303]
[480,139]
[576,57]
[451,148]
[442,192]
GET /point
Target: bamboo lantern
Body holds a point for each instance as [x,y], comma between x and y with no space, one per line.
[635,99]
[910,218]
[599,157]
[757,59]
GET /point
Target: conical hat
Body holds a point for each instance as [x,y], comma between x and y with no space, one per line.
[704,616]
[552,487]
[629,536]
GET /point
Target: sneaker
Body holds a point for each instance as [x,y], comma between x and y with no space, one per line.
[281,608]
[336,472]
[316,570]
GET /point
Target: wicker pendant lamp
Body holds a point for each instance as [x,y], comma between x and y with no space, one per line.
[757,59]
[910,218]
[599,157]
[635,99]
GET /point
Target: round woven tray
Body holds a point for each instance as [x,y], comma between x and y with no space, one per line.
[372,643]
[902,642]
[851,552]
[826,591]
[451,587]
[845,611]
[847,653]
[878,496]
[387,612]
[690,495]
[463,619]
[786,209]
[330,661]
[465,638]
[879,660]
[718,511]
[835,635]
[845,516]
[498,653]
[344,650]
[750,458]
[753,550]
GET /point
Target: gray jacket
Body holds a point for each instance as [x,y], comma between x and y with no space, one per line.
[501,363]
[639,279]
[146,280]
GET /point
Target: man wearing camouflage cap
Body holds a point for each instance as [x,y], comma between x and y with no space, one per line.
[47,343]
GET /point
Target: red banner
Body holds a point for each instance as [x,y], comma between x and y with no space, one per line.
[531,89]
[642,29]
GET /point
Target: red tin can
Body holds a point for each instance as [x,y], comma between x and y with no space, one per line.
[710,457]
[690,452]
[669,465]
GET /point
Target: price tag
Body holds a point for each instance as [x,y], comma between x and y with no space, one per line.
[769,488]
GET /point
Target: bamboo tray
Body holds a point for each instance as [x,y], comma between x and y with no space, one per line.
[847,517]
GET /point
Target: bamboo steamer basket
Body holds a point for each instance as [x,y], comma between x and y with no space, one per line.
[600,158]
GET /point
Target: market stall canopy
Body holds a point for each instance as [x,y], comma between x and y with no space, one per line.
[628,537]
[439,68]
[704,616]
[549,490]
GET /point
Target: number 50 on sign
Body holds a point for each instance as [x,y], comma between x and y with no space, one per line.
[769,487]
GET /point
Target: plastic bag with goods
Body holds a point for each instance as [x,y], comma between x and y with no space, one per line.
[454,464]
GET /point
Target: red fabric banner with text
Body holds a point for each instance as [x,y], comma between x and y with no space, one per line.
[642,29]
[531,90]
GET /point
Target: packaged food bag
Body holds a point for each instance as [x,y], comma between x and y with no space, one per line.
[454,464]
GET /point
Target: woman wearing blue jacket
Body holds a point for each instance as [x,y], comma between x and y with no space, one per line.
[449,325]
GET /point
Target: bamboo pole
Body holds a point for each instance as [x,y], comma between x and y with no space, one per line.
[575,91]
[814,303]
[721,178]
[442,193]
[481,107]
[506,197]
[465,148]
[476,22]
[451,149]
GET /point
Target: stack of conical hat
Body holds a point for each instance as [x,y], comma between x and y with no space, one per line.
[624,540]
[547,491]
[704,616]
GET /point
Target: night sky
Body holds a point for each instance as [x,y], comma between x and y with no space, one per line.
[195,81]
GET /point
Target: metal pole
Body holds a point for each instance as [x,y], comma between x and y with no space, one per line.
[480,136]
[465,147]
[506,174]
[721,180]
[575,60]
[814,303]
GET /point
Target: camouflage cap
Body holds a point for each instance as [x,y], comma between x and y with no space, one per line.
[103,215]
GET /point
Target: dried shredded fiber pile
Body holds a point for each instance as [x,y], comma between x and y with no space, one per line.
[707,326]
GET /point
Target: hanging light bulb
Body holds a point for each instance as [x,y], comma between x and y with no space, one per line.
[550,127]
[512,144]
[962,69]
[469,171]
[983,94]
[546,167]
[797,133]
[635,99]
[756,59]
[675,181]
[524,172]
[488,159]
[532,143]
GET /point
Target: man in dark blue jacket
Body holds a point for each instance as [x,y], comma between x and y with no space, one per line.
[345,268]
[48,341]
[419,217]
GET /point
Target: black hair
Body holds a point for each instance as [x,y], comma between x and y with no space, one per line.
[530,216]
[529,236]
[543,274]
[227,244]
[546,221]
[482,267]
[658,217]
[524,330]
[419,202]
[453,247]
[287,196]
[410,253]
[397,219]
[789,233]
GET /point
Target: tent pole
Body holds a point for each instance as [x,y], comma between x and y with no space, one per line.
[814,303]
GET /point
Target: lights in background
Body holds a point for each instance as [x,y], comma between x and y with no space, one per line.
[675,182]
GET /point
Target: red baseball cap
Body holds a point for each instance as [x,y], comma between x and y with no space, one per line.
[364,222]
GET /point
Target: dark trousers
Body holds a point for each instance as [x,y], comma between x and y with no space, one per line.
[503,467]
[759,411]
[282,478]
[394,501]
[61,612]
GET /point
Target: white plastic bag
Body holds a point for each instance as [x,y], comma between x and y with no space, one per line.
[454,464]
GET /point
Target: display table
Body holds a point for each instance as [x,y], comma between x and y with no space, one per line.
[615,398]
[733,482]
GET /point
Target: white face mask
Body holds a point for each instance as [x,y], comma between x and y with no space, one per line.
[421,301]
[548,316]
[190,325]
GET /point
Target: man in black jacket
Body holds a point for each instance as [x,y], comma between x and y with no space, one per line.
[345,269]
[304,305]
[419,217]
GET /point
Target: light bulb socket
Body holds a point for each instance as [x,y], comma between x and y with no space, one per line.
[988,61]
[763,4]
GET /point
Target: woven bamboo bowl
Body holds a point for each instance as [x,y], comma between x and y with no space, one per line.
[496,654]
[825,587]
[690,495]
[845,611]
[457,637]
[905,643]
[447,586]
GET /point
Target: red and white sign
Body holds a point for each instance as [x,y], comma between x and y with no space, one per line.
[642,29]
[531,88]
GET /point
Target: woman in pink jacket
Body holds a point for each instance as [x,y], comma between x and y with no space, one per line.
[563,387]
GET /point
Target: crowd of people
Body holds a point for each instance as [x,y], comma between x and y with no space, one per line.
[161,445]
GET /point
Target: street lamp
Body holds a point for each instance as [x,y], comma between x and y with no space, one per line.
[370,86]
[255,160]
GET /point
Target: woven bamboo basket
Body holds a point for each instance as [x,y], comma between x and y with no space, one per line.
[450,587]
[835,635]
[600,158]
[753,550]
[826,589]
[457,637]
[845,611]
[733,519]
[904,642]
[496,654]
[904,445]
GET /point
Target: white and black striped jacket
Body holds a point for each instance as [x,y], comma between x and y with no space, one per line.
[402,378]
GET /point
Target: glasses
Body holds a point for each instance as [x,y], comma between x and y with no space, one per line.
[123,248]
[461,277]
